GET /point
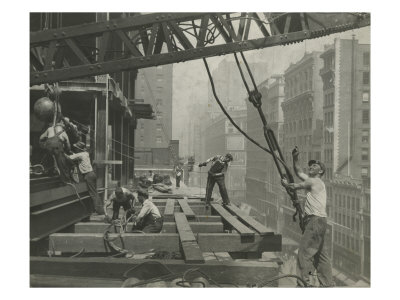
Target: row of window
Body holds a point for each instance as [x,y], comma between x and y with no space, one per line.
[299,83]
[347,241]
[347,221]
[328,119]
[329,99]
[347,202]
[301,125]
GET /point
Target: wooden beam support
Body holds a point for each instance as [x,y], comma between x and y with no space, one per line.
[232,221]
[38,280]
[186,209]
[240,273]
[260,228]
[168,227]
[199,218]
[169,209]
[150,242]
[191,249]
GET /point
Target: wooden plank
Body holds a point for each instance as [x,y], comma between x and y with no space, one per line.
[239,273]
[186,208]
[108,162]
[248,220]
[191,249]
[168,227]
[38,280]
[169,208]
[232,221]
[184,230]
[223,256]
[199,218]
[150,242]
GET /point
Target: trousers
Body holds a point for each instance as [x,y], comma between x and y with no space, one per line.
[125,204]
[91,183]
[313,252]
[149,224]
[220,180]
[178,181]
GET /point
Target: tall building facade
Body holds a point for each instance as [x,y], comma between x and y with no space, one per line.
[153,137]
[264,191]
[346,151]
[229,86]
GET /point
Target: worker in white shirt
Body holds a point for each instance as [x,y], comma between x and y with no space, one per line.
[149,219]
[81,156]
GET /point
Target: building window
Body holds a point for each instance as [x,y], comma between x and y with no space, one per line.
[353,203]
[364,171]
[365,97]
[366,59]
[364,154]
[141,139]
[357,245]
[141,125]
[159,139]
[348,202]
[365,77]
[358,204]
[365,137]
[365,116]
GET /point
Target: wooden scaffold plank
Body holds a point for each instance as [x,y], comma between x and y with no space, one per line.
[168,227]
[191,249]
[169,210]
[186,209]
[235,223]
[248,220]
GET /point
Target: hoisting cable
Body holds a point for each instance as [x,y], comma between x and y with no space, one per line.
[226,113]
[255,98]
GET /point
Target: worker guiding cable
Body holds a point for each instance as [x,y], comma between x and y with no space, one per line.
[216,173]
[312,250]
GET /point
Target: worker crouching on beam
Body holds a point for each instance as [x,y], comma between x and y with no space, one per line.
[149,219]
[120,197]
[216,174]
[313,251]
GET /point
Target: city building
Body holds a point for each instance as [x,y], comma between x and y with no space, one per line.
[153,137]
[346,151]
[264,191]
[229,85]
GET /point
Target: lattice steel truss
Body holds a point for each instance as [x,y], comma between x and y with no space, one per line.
[164,38]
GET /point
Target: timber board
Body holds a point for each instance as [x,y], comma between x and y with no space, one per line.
[232,221]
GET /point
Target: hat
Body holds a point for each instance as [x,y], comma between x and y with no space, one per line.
[228,155]
[142,193]
[321,165]
[80,145]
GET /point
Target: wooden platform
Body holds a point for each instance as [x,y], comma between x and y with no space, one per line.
[209,238]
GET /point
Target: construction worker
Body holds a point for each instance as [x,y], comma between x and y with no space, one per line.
[149,219]
[178,176]
[120,197]
[312,249]
[219,166]
[81,156]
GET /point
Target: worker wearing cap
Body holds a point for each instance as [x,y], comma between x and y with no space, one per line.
[149,219]
[81,156]
[312,249]
[216,174]
[120,197]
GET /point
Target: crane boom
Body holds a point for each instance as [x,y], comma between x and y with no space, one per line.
[163,38]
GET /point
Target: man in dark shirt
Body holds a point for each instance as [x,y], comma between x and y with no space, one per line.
[216,173]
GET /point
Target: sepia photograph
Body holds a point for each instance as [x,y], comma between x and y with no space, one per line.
[200,149]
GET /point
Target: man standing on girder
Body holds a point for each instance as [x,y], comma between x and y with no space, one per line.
[312,249]
[216,174]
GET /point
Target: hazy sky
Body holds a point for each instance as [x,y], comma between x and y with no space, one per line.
[190,78]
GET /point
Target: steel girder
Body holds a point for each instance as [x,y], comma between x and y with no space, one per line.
[164,38]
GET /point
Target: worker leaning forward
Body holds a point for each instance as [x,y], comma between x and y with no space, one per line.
[216,173]
[81,156]
[313,252]
[120,197]
[149,219]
